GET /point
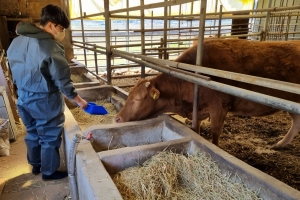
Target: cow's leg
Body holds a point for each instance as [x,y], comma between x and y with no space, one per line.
[217,117]
[199,126]
[291,133]
[202,115]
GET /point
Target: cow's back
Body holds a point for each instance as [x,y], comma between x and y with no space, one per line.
[278,60]
[273,60]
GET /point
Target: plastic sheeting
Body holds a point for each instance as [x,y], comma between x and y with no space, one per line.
[97,6]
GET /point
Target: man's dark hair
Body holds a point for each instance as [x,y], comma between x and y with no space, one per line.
[54,14]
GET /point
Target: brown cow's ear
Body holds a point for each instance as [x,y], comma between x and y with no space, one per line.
[154,93]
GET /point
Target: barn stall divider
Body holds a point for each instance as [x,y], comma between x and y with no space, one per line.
[95,173]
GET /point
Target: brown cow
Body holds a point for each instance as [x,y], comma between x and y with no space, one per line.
[274,60]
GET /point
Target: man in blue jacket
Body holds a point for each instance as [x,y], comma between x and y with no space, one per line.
[42,76]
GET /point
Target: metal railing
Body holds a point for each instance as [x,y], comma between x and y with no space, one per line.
[261,31]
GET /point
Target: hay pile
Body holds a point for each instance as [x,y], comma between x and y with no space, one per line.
[77,78]
[169,175]
[84,118]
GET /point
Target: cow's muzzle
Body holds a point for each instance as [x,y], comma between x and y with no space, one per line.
[118,119]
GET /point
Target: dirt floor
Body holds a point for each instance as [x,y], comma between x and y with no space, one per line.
[250,140]
[18,183]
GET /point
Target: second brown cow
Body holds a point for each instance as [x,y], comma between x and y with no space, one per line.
[165,93]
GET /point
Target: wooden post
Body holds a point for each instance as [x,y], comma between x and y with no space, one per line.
[9,111]
[240,26]
[5,72]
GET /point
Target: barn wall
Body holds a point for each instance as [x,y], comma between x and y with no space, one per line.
[29,10]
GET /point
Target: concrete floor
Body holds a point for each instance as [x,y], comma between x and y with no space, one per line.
[18,183]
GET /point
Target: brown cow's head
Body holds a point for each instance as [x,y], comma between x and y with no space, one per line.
[140,102]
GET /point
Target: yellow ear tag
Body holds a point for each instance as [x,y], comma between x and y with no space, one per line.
[154,96]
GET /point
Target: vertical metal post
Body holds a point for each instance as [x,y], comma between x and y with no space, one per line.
[68,9]
[295,27]
[169,26]
[160,51]
[216,6]
[252,20]
[288,27]
[107,36]
[170,11]
[191,22]
[82,32]
[216,10]
[127,27]
[199,61]
[96,59]
[165,29]
[260,19]
[179,22]
[142,37]
[151,28]
[265,31]
[220,21]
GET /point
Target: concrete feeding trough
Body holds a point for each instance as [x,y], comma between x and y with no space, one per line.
[111,94]
[110,137]
[119,146]
[80,70]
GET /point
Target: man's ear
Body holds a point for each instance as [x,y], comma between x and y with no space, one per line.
[154,93]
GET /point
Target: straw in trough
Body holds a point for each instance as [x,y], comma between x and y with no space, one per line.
[77,78]
[169,175]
